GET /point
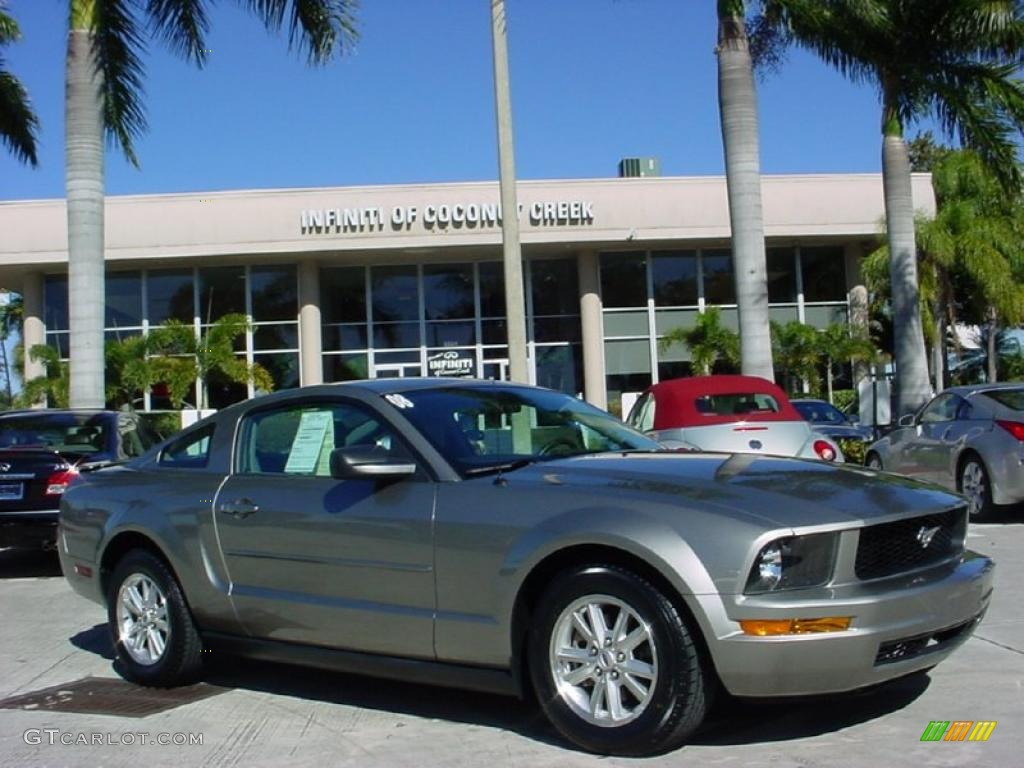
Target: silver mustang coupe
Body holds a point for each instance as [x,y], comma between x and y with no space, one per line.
[505,538]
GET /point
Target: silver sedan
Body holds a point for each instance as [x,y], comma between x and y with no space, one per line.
[970,439]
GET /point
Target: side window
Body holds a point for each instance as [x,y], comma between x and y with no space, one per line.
[942,408]
[298,440]
[190,451]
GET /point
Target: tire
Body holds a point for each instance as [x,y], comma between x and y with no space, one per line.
[655,716]
[143,593]
[972,480]
[873,461]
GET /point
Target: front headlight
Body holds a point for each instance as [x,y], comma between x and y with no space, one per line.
[793,562]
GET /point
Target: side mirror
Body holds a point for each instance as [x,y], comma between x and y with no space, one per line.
[366,463]
[907,421]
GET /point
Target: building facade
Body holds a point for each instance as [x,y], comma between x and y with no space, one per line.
[356,282]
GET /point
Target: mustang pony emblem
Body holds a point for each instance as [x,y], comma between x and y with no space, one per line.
[4,467]
[926,534]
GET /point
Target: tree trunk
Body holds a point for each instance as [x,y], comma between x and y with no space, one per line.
[912,386]
[992,348]
[737,103]
[84,181]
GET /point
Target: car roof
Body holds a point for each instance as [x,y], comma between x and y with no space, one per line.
[979,389]
[677,400]
[59,412]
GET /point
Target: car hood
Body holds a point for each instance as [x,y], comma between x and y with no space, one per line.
[781,491]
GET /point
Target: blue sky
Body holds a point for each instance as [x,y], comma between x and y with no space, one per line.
[592,81]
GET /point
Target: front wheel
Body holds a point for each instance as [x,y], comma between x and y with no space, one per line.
[974,484]
[873,461]
[615,665]
[152,630]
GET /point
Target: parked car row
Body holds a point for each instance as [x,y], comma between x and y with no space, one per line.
[510,538]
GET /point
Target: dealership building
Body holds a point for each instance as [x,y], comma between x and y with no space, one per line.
[354,282]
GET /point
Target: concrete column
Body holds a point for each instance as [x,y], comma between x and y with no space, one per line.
[592,326]
[33,329]
[311,368]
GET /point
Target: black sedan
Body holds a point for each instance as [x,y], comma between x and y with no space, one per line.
[42,452]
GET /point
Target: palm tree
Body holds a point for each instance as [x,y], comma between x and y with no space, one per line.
[12,314]
[952,59]
[737,110]
[51,388]
[797,351]
[708,341]
[103,94]
[18,123]
[839,343]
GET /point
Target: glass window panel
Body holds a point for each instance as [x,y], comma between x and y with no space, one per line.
[674,369]
[554,285]
[395,294]
[494,332]
[824,274]
[339,337]
[169,295]
[222,391]
[822,317]
[560,368]
[59,341]
[627,356]
[283,368]
[277,336]
[548,329]
[492,289]
[448,291]
[451,334]
[619,383]
[343,294]
[783,314]
[781,263]
[410,356]
[345,367]
[55,302]
[626,323]
[274,293]
[719,286]
[675,278]
[666,320]
[221,292]
[396,335]
[123,299]
[624,279]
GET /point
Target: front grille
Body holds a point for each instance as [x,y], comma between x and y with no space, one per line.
[912,647]
[891,548]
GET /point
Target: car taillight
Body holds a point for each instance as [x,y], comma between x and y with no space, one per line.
[1015,428]
[825,451]
[59,481]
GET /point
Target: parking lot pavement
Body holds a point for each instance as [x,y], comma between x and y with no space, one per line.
[264,714]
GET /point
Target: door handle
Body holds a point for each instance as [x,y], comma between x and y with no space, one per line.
[240,508]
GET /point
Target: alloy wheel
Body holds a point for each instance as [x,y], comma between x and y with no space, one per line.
[973,485]
[604,660]
[142,622]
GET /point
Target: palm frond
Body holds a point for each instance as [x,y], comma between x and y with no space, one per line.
[19,125]
[182,24]
[321,28]
[118,46]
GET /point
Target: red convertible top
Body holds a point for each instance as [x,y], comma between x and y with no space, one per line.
[704,400]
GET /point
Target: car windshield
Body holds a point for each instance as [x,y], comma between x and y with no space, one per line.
[820,413]
[58,432]
[481,429]
[1011,398]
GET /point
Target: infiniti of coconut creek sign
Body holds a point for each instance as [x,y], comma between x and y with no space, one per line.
[443,217]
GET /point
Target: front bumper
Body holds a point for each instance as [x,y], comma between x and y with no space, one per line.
[31,529]
[900,626]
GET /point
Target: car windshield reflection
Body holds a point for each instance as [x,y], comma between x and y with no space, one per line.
[493,429]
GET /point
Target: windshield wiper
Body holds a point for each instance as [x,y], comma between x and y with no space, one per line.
[508,466]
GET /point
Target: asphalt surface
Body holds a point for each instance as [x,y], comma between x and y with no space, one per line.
[260,714]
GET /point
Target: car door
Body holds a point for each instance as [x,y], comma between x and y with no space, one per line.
[930,448]
[314,559]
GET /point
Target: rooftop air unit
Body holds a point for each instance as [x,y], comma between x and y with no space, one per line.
[632,167]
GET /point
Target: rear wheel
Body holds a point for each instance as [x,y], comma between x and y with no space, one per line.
[614,664]
[152,630]
[873,461]
[973,482]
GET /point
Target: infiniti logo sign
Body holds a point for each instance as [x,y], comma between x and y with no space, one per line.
[4,467]
[925,535]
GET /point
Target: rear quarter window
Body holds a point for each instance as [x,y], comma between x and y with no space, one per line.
[191,451]
[736,404]
[1010,398]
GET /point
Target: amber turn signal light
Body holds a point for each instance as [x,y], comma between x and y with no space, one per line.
[771,627]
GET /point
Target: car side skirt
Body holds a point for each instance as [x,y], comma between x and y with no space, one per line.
[482,679]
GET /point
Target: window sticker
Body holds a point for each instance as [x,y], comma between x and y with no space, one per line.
[399,401]
[311,449]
